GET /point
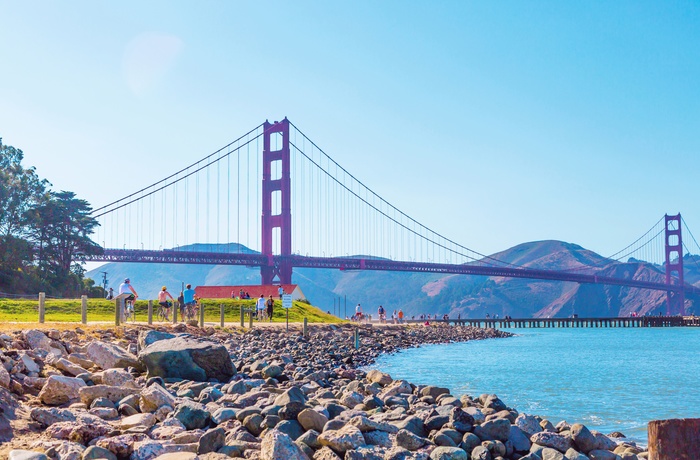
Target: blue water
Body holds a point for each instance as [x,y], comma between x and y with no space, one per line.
[608,379]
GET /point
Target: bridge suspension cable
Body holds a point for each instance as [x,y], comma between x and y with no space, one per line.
[383,214]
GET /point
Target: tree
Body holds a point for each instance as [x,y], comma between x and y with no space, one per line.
[20,190]
[62,225]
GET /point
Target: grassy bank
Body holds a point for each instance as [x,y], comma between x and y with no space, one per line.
[68,310]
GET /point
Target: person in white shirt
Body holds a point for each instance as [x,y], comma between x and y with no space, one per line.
[260,307]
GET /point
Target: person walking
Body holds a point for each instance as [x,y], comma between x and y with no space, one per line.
[270,307]
[280,291]
[260,307]
[400,316]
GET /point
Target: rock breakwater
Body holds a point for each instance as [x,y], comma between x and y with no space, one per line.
[184,393]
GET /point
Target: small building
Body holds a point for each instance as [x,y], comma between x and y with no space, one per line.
[229,292]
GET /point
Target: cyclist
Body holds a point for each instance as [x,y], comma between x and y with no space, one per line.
[163,302]
[188,297]
[124,288]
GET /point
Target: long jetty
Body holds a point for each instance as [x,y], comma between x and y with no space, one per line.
[632,321]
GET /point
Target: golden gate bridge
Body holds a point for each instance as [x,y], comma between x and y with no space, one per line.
[338,222]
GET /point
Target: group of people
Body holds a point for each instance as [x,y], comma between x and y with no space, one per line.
[187,298]
[264,308]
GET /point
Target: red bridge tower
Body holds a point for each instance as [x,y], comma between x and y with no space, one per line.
[279,190]
[675,301]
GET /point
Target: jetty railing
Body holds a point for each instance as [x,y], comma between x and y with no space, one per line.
[508,323]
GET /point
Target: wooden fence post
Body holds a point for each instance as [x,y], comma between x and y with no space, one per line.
[201,315]
[150,312]
[242,316]
[42,306]
[83,309]
[175,310]
[306,325]
[118,305]
[221,313]
[675,439]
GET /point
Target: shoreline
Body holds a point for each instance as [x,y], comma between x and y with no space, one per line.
[309,397]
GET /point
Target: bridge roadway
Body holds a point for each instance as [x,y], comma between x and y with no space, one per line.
[636,321]
[350,263]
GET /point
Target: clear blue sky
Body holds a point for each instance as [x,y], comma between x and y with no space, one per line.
[495,123]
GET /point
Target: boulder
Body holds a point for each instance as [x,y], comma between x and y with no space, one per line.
[108,355]
[312,420]
[4,377]
[584,439]
[448,453]
[118,378]
[148,337]
[410,441]
[347,438]
[556,441]
[498,429]
[187,358]
[95,453]
[294,394]
[379,377]
[211,441]
[114,394]
[192,415]
[153,397]
[59,390]
[278,446]
[26,455]
[528,424]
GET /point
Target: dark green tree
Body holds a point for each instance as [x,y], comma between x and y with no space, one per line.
[20,190]
[61,237]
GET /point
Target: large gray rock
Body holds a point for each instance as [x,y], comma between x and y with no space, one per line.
[556,441]
[26,455]
[278,446]
[410,441]
[154,397]
[312,420]
[186,358]
[114,394]
[59,389]
[294,394]
[192,414]
[347,438]
[520,441]
[148,337]
[4,377]
[528,424]
[497,429]
[599,454]
[584,439]
[108,355]
[37,340]
[448,453]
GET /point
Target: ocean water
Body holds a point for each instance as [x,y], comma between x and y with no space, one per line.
[610,379]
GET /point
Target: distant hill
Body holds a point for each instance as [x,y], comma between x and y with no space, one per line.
[416,293]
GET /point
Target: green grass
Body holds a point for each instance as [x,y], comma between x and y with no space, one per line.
[68,310]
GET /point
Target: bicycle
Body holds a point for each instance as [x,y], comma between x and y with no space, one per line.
[191,311]
[129,313]
[163,313]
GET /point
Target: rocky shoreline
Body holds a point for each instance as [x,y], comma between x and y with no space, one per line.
[183,392]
